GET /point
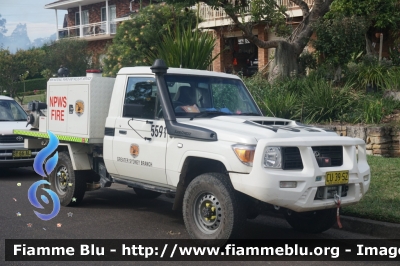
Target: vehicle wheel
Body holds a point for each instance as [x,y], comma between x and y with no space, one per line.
[212,209]
[67,183]
[311,222]
[146,194]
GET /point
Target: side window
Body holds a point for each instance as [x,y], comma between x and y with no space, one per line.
[142,93]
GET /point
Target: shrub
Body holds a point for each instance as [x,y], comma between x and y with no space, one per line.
[314,100]
[32,84]
[374,75]
[321,102]
[184,47]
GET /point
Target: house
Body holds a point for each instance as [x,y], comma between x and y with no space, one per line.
[236,53]
[100,19]
[94,20]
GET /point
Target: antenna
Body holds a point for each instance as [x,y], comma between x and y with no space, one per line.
[181,55]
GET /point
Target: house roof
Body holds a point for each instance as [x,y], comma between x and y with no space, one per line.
[65,4]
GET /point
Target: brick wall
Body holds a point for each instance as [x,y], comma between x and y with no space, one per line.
[98,48]
[219,44]
[122,8]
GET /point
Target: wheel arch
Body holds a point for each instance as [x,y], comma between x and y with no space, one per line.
[192,167]
[78,154]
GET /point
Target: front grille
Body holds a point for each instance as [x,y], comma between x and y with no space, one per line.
[291,158]
[11,139]
[7,155]
[335,153]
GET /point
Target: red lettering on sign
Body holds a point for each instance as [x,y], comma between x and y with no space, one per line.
[60,101]
[57,115]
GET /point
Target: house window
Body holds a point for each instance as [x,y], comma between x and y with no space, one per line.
[112,13]
[85,21]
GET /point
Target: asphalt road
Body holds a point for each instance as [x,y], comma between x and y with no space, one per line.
[116,213]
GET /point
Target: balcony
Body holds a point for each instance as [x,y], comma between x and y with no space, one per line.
[92,31]
[215,18]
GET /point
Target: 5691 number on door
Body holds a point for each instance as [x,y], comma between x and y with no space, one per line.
[158,131]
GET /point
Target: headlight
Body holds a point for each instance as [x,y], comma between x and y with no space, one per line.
[245,153]
[273,157]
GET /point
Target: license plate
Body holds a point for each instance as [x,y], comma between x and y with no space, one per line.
[337,178]
[22,153]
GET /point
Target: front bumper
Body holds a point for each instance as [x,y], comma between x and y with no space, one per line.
[264,183]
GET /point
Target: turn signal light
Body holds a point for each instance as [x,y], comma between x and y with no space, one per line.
[245,153]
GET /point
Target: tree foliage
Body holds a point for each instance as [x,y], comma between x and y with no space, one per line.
[380,13]
[71,53]
[340,37]
[2,25]
[17,67]
[136,36]
[185,48]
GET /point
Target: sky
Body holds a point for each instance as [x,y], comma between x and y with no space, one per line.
[40,22]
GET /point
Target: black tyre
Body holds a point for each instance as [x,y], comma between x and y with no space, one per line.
[311,222]
[146,194]
[69,186]
[212,209]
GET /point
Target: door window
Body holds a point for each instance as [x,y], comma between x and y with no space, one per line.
[142,92]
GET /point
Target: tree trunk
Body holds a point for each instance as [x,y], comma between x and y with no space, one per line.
[287,51]
[285,62]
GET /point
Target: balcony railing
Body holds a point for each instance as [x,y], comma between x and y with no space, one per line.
[208,13]
[88,30]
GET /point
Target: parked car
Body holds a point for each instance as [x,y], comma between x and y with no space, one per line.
[12,151]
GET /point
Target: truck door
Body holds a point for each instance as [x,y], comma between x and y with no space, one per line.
[140,141]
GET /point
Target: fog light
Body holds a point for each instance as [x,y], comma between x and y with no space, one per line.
[288,184]
[318,178]
[366,177]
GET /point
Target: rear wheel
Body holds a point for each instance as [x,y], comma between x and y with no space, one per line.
[146,194]
[212,209]
[312,221]
[69,185]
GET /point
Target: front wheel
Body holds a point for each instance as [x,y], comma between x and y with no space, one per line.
[212,209]
[69,187]
[312,221]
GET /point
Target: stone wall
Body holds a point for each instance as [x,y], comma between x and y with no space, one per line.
[381,141]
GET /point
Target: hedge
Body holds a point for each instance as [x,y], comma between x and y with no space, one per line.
[32,84]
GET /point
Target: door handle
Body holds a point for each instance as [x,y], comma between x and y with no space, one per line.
[122,132]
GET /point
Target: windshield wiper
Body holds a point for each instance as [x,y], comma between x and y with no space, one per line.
[209,113]
[5,120]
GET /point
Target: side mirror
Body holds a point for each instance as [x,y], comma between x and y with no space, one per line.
[132,110]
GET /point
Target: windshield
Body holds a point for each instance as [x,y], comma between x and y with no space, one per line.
[200,96]
[11,111]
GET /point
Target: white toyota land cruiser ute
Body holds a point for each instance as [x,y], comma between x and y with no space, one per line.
[199,136]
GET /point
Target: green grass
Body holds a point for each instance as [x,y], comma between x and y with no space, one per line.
[382,200]
[29,98]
